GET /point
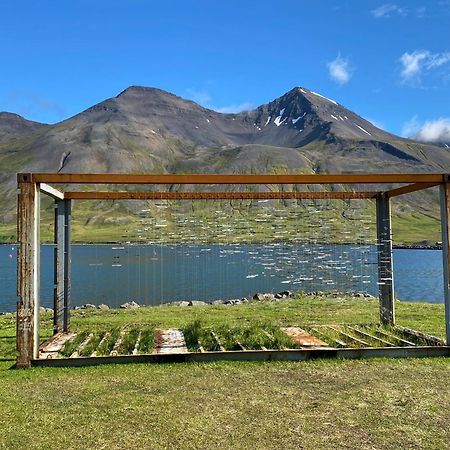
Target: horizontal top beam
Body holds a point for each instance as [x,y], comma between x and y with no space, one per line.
[98,195]
[231,179]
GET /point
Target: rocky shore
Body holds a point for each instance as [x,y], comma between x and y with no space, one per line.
[258,297]
[419,246]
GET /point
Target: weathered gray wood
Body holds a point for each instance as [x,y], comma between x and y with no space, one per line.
[430,339]
[67,264]
[445,228]
[27,331]
[58,291]
[51,191]
[385,268]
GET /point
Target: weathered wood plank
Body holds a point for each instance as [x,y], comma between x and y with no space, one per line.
[129,195]
[360,178]
[27,330]
[385,267]
[303,338]
[67,264]
[58,279]
[409,188]
[51,191]
[254,355]
[445,229]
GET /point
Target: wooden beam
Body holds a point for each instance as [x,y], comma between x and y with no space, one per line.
[359,178]
[27,331]
[385,267]
[67,264]
[253,355]
[62,261]
[409,188]
[445,228]
[98,195]
[51,191]
[58,268]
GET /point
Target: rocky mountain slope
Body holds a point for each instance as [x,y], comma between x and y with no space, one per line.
[150,130]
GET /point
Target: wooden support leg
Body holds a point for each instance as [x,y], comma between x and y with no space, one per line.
[385,268]
[62,260]
[58,290]
[27,332]
[67,264]
[445,228]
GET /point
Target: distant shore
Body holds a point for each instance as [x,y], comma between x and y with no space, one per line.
[413,246]
[417,246]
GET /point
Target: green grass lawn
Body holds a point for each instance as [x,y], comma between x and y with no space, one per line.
[367,404]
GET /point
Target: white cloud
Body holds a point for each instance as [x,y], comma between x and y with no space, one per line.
[434,131]
[246,106]
[388,10]
[415,63]
[412,64]
[339,70]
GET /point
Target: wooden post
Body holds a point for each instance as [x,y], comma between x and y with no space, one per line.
[58,277]
[445,228]
[385,268]
[67,264]
[62,260]
[28,212]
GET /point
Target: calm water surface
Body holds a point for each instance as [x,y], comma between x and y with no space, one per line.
[155,274]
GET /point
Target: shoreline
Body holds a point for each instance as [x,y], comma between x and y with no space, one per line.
[417,246]
[413,246]
[258,298]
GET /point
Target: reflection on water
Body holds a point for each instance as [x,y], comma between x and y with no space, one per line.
[154,274]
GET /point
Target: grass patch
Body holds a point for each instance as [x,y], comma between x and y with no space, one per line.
[106,346]
[92,345]
[128,342]
[147,341]
[366,404]
[192,334]
[74,343]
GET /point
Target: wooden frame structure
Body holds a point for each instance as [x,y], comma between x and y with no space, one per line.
[28,221]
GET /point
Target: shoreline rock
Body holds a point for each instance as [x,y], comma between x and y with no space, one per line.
[130,305]
[259,297]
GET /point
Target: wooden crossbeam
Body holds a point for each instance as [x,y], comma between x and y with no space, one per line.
[124,195]
[360,178]
[409,188]
[51,191]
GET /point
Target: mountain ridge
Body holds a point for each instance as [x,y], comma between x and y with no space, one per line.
[145,129]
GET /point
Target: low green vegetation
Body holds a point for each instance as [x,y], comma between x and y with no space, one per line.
[147,340]
[107,344]
[74,343]
[128,342]
[322,404]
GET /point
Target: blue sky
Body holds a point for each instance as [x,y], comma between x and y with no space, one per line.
[387,61]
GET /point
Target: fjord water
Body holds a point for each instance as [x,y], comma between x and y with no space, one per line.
[155,274]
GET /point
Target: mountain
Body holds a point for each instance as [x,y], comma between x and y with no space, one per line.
[146,129]
[13,127]
[149,130]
